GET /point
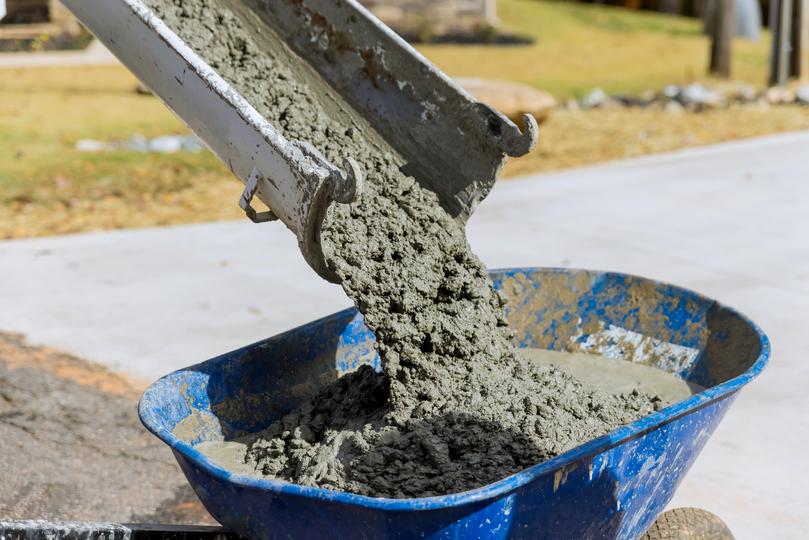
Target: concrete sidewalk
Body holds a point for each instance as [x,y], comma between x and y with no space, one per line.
[730,221]
[94,55]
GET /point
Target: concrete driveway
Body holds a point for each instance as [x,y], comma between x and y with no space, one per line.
[731,221]
[94,55]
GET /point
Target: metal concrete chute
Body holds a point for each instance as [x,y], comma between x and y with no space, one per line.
[453,144]
[450,143]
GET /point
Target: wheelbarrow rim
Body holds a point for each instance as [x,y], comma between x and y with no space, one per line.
[510,483]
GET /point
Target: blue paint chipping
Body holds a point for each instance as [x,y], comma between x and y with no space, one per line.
[610,487]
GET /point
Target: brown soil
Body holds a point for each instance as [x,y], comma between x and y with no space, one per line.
[73,448]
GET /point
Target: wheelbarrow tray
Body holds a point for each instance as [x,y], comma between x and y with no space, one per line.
[610,487]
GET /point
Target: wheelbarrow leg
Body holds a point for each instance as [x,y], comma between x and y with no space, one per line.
[688,524]
[74,530]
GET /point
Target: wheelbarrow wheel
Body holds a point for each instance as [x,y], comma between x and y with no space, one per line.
[688,524]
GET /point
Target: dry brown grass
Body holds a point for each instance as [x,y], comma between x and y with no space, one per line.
[47,187]
[578,138]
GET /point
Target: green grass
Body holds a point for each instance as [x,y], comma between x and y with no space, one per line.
[47,186]
[579,46]
[43,112]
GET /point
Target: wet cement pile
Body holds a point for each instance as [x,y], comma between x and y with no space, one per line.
[455,407]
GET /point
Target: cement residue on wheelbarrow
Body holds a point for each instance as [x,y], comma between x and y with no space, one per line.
[455,407]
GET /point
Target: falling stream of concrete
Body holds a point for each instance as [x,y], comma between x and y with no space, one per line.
[455,407]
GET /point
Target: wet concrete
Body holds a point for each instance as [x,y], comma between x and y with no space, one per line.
[453,452]
[454,408]
[616,376]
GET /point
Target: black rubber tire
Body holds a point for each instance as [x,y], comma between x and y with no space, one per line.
[688,524]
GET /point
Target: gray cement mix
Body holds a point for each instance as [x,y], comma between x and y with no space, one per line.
[616,376]
[546,428]
[455,407]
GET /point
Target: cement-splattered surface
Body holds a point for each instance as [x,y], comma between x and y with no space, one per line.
[72,447]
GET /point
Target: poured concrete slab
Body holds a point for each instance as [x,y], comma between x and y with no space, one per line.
[150,301]
[730,221]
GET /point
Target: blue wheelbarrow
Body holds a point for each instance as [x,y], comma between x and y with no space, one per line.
[611,487]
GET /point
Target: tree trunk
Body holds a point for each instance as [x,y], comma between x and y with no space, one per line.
[799,66]
[781,17]
[722,31]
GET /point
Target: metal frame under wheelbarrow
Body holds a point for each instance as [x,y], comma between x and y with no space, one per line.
[612,487]
[79,530]
[690,523]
